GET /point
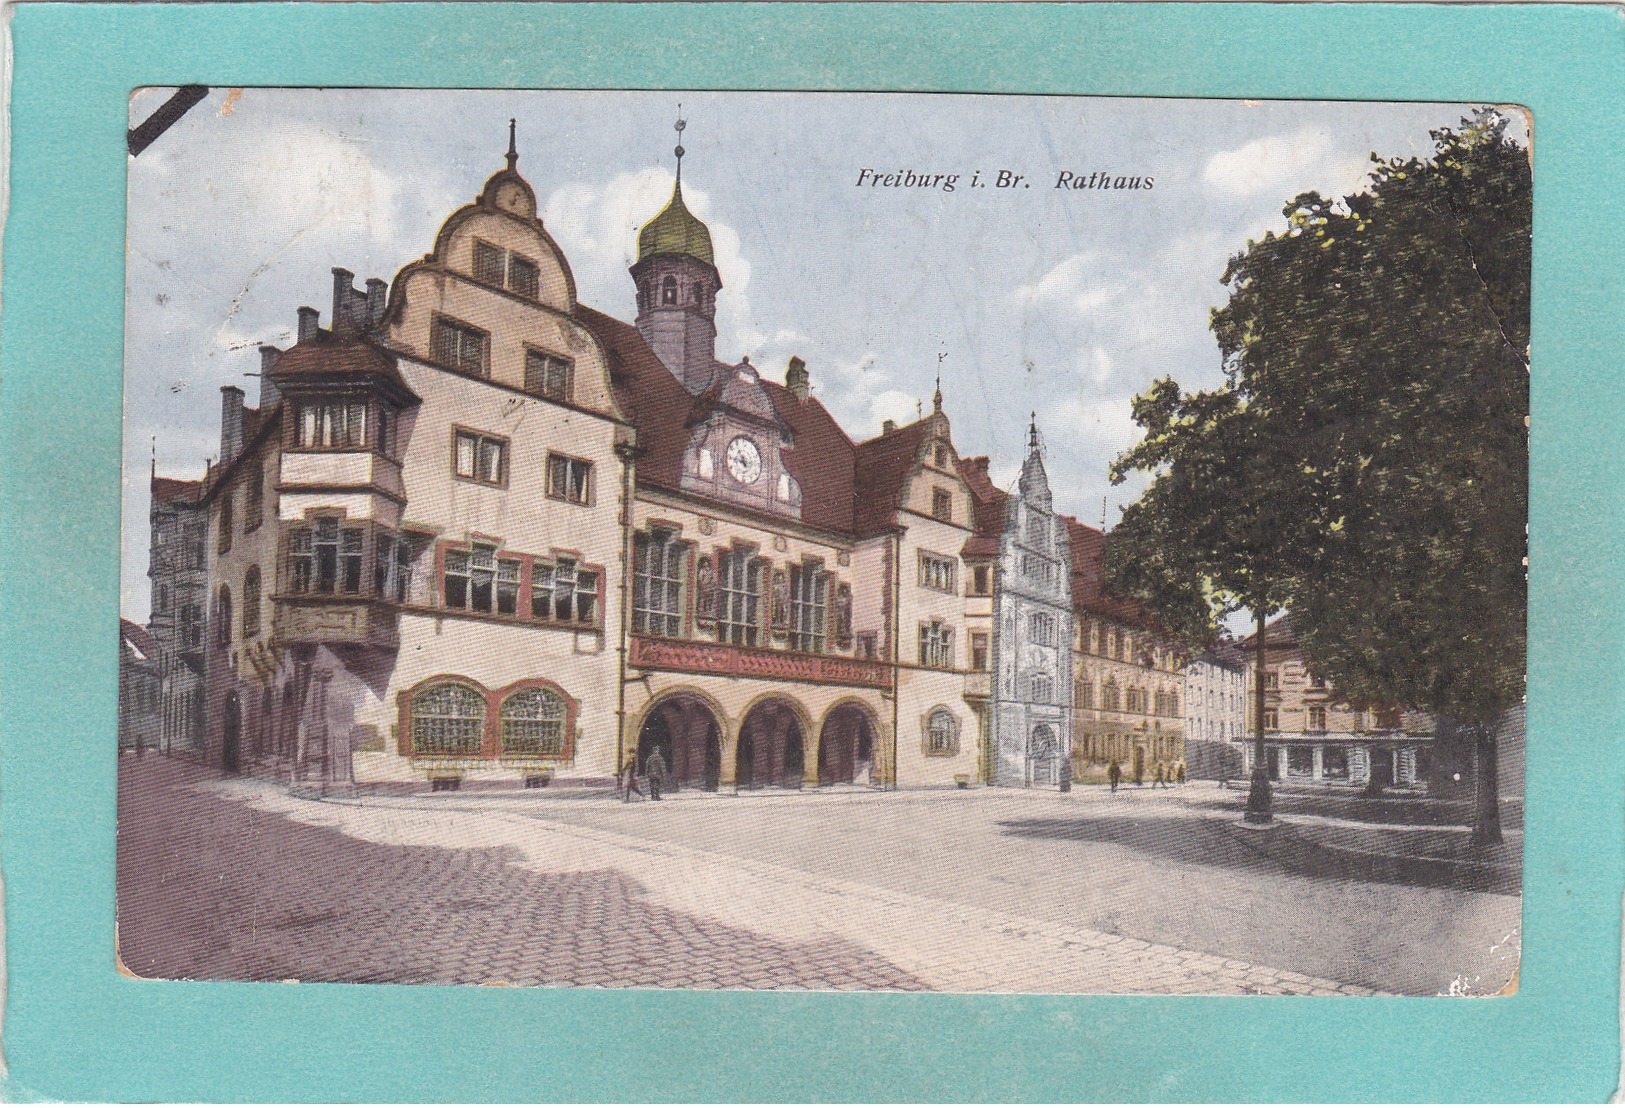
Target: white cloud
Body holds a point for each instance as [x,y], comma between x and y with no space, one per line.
[1279,167]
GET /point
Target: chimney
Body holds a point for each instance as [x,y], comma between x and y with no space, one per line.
[307,323]
[797,380]
[377,296]
[888,427]
[343,293]
[231,423]
[270,395]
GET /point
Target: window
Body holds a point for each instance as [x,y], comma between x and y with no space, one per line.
[1357,721]
[809,595]
[482,458]
[332,425]
[569,479]
[1316,681]
[523,276]
[657,583]
[936,645]
[1272,721]
[1317,719]
[981,578]
[1272,679]
[490,264]
[447,719]
[1300,760]
[978,650]
[941,733]
[936,572]
[458,345]
[254,504]
[563,592]
[739,597]
[160,599]
[476,580]
[532,722]
[392,568]
[1083,694]
[1037,568]
[668,290]
[1334,762]
[547,375]
[942,504]
[222,611]
[939,455]
[1117,645]
[1041,628]
[251,602]
[1042,688]
[868,645]
[1110,696]
[227,522]
[325,558]
[1134,700]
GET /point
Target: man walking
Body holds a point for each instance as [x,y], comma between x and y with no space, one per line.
[1114,774]
[654,767]
[631,771]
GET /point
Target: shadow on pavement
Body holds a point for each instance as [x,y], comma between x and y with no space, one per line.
[1322,853]
[1396,810]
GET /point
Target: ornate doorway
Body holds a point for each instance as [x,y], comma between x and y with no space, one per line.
[771,748]
[846,746]
[686,732]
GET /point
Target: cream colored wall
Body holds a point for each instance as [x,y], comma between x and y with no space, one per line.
[260,547]
[1096,668]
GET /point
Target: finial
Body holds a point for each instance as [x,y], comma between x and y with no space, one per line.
[154,457]
[678,149]
[1032,433]
[513,149]
[936,400]
[919,409]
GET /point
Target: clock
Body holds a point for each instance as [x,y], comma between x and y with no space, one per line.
[744,461]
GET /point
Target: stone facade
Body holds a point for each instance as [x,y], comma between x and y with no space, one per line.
[1216,697]
[178,569]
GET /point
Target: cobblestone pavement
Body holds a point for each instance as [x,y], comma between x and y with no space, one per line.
[236,879]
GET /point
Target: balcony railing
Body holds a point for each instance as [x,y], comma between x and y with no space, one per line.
[742,661]
[335,619]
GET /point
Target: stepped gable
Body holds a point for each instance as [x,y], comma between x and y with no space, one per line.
[823,460]
[167,490]
[883,464]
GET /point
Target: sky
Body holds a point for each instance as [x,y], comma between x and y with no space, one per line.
[1027,298]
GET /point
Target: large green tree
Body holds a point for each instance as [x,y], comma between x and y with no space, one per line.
[1376,359]
[1387,335]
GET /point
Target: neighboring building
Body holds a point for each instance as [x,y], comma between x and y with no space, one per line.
[1127,699]
[138,686]
[1216,693]
[178,567]
[477,529]
[1315,737]
[1033,637]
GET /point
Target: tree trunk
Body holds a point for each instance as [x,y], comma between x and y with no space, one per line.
[1260,803]
[1486,786]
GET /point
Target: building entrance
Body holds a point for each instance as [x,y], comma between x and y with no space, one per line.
[771,748]
[846,747]
[1041,755]
[689,739]
[231,735]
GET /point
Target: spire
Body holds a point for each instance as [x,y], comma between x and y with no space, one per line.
[513,150]
[1032,435]
[678,149]
[936,399]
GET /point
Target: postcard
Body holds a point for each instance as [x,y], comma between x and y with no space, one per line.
[824,541]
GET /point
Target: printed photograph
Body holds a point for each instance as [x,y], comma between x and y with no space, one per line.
[824,541]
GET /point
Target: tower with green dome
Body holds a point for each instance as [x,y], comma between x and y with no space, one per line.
[677,283]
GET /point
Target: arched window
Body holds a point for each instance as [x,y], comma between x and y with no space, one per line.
[251,602]
[222,613]
[941,733]
[227,523]
[533,723]
[447,719]
[668,290]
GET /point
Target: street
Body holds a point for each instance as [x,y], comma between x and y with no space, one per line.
[982,890]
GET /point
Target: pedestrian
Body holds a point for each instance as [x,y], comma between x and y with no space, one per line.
[1179,770]
[1161,779]
[654,768]
[631,771]
[1114,775]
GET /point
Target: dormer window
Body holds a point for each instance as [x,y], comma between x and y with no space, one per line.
[939,455]
[332,424]
[942,504]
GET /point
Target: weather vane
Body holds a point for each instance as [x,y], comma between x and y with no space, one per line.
[678,149]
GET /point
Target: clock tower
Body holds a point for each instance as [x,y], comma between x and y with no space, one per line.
[677,283]
[738,446]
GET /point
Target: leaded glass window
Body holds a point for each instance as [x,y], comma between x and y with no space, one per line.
[809,597]
[739,598]
[657,584]
[533,723]
[447,719]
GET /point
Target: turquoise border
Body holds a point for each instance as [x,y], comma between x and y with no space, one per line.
[76,1031]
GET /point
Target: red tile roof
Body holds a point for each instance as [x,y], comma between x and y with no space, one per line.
[166,490]
[823,460]
[1089,580]
[883,464]
[137,636]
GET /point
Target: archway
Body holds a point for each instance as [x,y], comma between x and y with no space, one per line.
[1042,753]
[771,747]
[846,746]
[231,735]
[686,732]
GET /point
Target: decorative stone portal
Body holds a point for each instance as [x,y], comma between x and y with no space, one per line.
[771,750]
[686,732]
[846,747]
[1042,755]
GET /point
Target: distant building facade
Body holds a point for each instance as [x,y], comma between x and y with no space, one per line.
[1314,736]
[1216,693]
[178,571]
[138,689]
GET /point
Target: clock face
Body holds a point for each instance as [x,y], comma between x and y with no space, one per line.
[744,461]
